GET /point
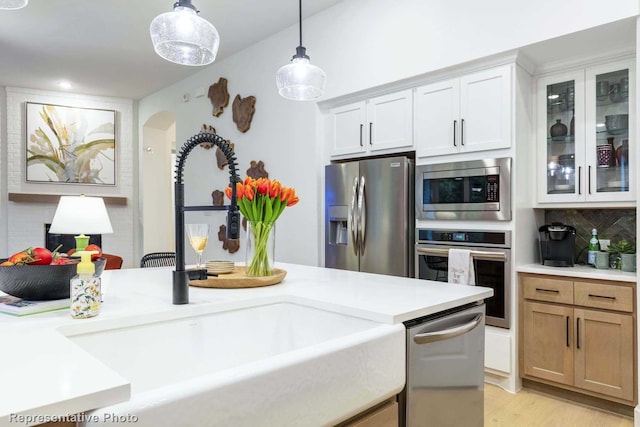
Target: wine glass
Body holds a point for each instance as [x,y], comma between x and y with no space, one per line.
[198,236]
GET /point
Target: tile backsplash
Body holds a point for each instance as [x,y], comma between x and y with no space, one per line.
[612,224]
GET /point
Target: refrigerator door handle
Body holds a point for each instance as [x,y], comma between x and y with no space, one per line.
[352,216]
[362,217]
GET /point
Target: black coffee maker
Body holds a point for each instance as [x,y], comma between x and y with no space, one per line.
[557,245]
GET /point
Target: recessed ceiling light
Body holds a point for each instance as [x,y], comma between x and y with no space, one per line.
[64,84]
[554,96]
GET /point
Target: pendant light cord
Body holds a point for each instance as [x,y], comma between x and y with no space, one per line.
[300,19]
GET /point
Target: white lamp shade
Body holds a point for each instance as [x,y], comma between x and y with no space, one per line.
[81,215]
[13,4]
[181,36]
[300,80]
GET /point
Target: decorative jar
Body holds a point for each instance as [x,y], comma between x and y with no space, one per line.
[604,154]
[558,131]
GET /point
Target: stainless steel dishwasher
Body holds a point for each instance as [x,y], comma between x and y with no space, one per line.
[445,369]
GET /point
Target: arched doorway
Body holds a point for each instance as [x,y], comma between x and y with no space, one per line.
[157,160]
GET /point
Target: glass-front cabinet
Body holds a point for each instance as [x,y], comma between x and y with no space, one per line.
[585,129]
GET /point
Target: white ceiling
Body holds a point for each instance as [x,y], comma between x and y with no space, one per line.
[103,47]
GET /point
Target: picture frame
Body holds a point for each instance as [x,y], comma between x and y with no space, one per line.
[70,145]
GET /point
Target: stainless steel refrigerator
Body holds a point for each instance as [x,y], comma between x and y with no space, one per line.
[369,216]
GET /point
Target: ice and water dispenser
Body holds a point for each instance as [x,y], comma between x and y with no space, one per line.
[338,225]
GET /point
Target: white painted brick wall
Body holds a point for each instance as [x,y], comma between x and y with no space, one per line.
[25,221]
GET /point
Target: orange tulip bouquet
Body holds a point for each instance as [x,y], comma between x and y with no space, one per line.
[261,201]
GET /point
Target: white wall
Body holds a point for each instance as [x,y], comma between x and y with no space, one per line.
[3,174]
[157,186]
[365,43]
[281,135]
[360,44]
[25,221]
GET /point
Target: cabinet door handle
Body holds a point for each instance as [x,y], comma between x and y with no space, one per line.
[578,333]
[579,179]
[370,133]
[455,124]
[601,296]
[547,290]
[461,131]
[567,328]
[589,179]
[361,130]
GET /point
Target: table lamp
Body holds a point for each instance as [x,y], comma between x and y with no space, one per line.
[79,215]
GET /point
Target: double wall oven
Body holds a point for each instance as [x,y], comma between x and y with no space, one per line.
[491,252]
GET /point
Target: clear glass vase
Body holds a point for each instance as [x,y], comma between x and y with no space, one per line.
[261,239]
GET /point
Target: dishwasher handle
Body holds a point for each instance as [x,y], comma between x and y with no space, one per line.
[430,337]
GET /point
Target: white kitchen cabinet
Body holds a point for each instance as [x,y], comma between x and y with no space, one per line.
[584,132]
[465,114]
[378,125]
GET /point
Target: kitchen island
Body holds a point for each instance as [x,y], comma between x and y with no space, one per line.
[49,372]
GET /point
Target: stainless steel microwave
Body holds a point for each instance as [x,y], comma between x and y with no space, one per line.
[473,190]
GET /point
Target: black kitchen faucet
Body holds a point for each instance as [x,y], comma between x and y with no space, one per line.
[180,275]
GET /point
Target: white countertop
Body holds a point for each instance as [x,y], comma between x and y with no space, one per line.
[579,271]
[46,374]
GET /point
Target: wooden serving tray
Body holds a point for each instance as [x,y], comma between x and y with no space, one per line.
[237,279]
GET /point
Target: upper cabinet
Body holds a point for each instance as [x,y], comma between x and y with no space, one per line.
[585,122]
[465,114]
[376,126]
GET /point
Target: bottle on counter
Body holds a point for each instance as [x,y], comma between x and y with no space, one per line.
[594,247]
[85,288]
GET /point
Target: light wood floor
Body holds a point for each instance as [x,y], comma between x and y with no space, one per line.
[531,408]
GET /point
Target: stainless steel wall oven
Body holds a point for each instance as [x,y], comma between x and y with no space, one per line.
[491,252]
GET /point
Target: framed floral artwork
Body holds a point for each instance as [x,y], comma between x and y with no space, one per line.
[70,145]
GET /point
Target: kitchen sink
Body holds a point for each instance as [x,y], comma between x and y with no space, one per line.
[271,364]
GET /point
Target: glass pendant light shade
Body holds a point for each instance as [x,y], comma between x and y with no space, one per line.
[183,37]
[13,4]
[300,80]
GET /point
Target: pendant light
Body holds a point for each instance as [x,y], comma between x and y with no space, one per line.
[183,37]
[300,80]
[13,4]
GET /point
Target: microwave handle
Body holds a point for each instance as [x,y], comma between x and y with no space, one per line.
[352,216]
[492,256]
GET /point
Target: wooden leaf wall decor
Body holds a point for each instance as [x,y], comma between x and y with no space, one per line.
[217,198]
[221,159]
[257,170]
[243,109]
[229,245]
[207,129]
[219,96]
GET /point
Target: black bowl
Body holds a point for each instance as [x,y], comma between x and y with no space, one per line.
[41,282]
